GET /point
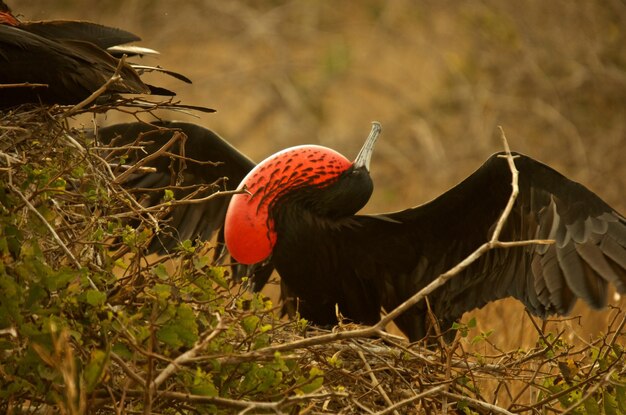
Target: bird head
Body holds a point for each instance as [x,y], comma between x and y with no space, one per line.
[318,178]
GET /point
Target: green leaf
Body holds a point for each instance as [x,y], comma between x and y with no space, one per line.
[315,380]
[250,323]
[168,195]
[591,406]
[14,238]
[78,172]
[261,340]
[169,336]
[95,369]
[186,246]
[162,291]
[280,363]
[268,378]
[217,275]
[335,361]
[95,297]
[59,184]
[610,404]
[477,339]
[122,351]
[203,384]
[313,385]
[461,328]
[181,330]
[199,262]
[36,294]
[620,397]
[10,300]
[161,272]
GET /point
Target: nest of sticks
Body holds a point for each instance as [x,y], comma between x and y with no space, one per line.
[95,325]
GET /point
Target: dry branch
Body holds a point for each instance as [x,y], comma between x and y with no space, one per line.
[116,77]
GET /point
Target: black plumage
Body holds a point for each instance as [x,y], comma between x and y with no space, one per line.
[72,70]
[327,256]
[69,60]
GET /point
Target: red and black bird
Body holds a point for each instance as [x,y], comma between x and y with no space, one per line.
[67,61]
[301,217]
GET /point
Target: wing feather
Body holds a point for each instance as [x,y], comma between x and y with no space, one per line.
[593,255]
[419,244]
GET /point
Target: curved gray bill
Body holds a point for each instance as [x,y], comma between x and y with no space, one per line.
[365,154]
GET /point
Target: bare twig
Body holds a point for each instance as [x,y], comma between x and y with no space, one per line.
[129,199]
[175,137]
[91,98]
[189,354]
[478,404]
[23,85]
[75,143]
[242,404]
[50,227]
[615,336]
[186,201]
[134,376]
[375,383]
[407,401]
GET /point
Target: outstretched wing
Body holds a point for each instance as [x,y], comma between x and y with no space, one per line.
[381,260]
[205,163]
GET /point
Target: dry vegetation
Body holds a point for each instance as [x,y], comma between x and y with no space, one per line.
[439,76]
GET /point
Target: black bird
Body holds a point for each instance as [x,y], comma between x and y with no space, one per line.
[69,60]
[105,37]
[300,215]
[208,160]
[71,70]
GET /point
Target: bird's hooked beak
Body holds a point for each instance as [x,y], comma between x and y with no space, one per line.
[365,155]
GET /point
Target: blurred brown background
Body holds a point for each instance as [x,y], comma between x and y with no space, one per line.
[439,75]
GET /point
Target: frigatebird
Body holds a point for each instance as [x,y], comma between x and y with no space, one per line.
[300,215]
[300,218]
[66,61]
